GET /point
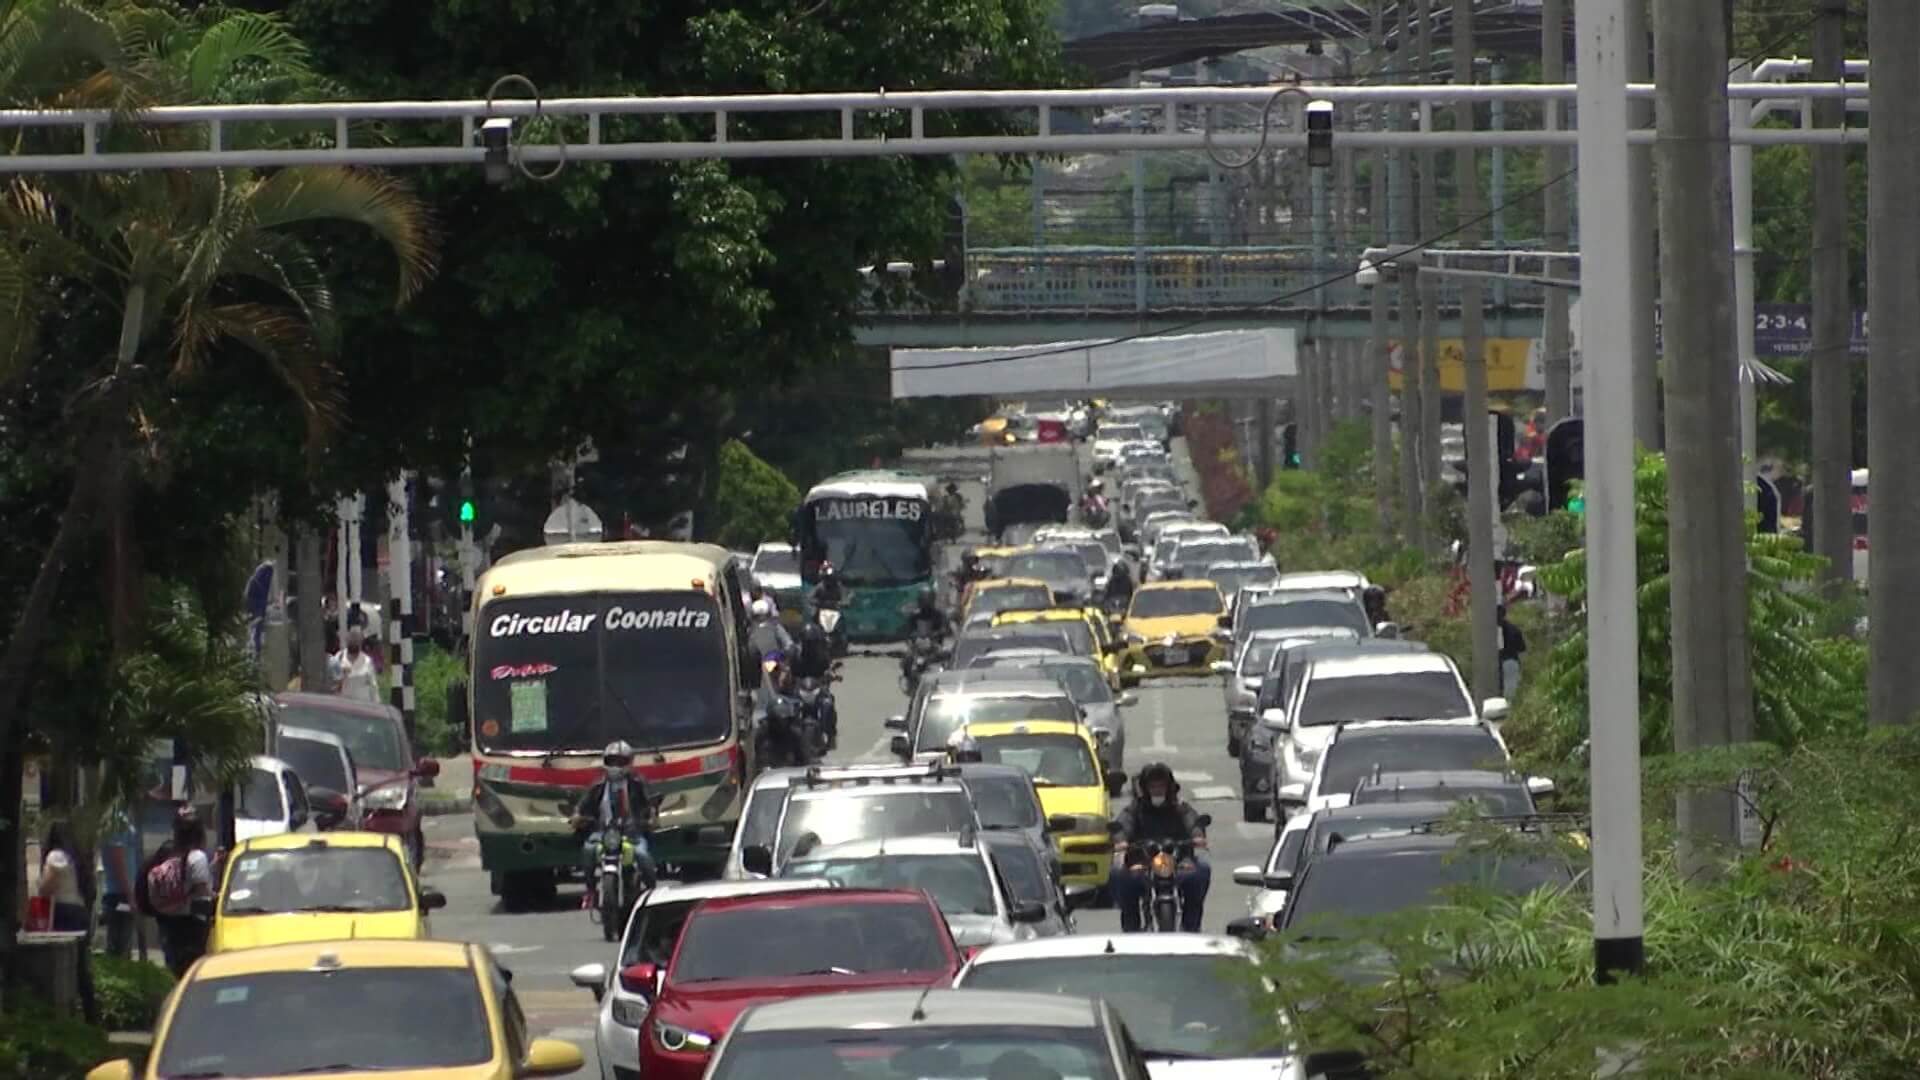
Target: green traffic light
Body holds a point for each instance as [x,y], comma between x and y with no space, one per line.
[466,512]
[1576,506]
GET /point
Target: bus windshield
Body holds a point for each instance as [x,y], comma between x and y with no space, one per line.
[869,541]
[573,673]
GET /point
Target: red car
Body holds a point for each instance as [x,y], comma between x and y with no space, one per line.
[748,950]
[385,769]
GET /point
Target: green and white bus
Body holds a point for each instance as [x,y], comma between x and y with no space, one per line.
[876,527]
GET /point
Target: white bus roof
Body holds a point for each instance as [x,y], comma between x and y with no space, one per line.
[620,566]
[886,485]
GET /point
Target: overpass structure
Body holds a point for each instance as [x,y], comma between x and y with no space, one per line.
[1216,364]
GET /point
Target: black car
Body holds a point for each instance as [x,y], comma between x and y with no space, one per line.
[1502,794]
[1385,875]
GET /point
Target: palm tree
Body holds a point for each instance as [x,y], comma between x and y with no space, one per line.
[205,268]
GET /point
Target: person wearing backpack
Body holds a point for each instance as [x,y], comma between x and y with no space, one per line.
[178,888]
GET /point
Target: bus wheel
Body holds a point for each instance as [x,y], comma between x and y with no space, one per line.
[524,890]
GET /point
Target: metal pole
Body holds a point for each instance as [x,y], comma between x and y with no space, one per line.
[1613,630]
[400,608]
[1412,517]
[1483,476]
[1431,393]
[1139,165]
[1893,366]
[1554,341]
[1647,427]
[1830,357]
[343,536]
[1498,121]
[1381,363]
[1739,118]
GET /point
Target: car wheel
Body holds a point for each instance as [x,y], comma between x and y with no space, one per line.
[1254,810]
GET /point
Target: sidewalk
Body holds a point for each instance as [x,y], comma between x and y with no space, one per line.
[452,790]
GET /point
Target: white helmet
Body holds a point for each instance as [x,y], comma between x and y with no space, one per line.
[763,608]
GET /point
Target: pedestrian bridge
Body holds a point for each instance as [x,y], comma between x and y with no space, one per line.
[1035,295]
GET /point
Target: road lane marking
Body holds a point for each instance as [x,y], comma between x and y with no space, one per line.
[1216,792]
[1253,830]
[513,950]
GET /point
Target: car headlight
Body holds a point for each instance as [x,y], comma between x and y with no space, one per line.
[389,797]
[678,1040]
[629,1012]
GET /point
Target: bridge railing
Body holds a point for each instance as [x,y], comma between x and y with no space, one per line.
[1069,280]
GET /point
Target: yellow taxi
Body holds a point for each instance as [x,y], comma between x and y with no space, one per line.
[1170,628]
[1097,643]
[1065,765]
[382,1010]
[994,595]
[319,887]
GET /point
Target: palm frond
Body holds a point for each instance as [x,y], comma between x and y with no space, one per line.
[379,202]
[287,341]
[240,43]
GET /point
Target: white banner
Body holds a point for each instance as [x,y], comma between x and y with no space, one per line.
[1222,361]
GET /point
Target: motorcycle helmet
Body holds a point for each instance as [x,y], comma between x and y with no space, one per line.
[826,569]
[763,608]
[616,758]
[1096,485]
[1159,770]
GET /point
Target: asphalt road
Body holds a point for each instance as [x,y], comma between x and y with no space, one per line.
[1179,721]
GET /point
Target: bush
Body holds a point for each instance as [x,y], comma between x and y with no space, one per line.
[433,670]
[130,992]
[37,1045]
[753,501]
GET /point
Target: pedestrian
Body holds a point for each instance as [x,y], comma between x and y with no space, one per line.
[354,676]
[179,892]
[1512,644]
[59,882]
[120,858]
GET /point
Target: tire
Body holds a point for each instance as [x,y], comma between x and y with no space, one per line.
[1254,810]
[1166,919]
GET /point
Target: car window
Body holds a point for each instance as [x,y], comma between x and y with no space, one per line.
[947,713]
[1286,854]
[1421,695]
[920,1050]
[1300,614]
[1052,760]
[1011,598]
[958,883]
[762,818]
[1027,636]
[1163,603]
[316,878]
[1026,878]
[1004,801]
[1048,565]
[1253,659]
[298,810]
[259,796]
[838,818]
[1085,683]
[263,1024]
[1205,1005]
[510,1012]
[374,741]
[1506,799]
[776,562]
[785,939]
[1347,761]
[319,764]
[655,932]
[1349,883]
[1076,630]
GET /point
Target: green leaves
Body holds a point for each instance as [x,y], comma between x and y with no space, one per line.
[752,500]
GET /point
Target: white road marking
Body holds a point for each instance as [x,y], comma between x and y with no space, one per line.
[1195,779]
[1216,791]
[882,750]
[511,950]
[1253,830]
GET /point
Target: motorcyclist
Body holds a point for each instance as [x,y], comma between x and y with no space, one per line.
[784,740]
[1120,586]
[618,800]
[1157,813]
[814,660]
[926,620]
[1093,506]
[954,506]
[830,592]
[767,634]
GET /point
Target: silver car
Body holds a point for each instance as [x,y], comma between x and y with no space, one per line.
[652,931]
[1086,683]
[961,875]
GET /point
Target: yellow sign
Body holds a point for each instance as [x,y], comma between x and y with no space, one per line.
[1507,360]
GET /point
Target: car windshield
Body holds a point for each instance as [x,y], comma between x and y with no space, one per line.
[260,797]
[374,741]
[576,672]
[1011,598]
[655,932]
[1077,631]
[318,764]
[1092,553]
[1351,883]
[1120,432]
[426,1018]
[875,541]
[1026,878]
[1017,636]
[1064,566]
[1205,552]
[1004,801]
[1232,579]
[1052,760]
[1186,1005]
[1306,614]
[842,817]
[958,882]
[1347,761]
[1253,659]
[1496,799]
[1085,683]
[947,713]
[1421,695]
[316,878]
[922,1050]
[1163,603]
[784,562]
[784,938]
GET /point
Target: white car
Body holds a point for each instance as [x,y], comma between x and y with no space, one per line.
[1358,751]
[777,568]
[1186,1008]
[1336,691]
[652,929]
[1108,440]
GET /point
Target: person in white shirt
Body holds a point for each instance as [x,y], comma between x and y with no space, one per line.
[354,676]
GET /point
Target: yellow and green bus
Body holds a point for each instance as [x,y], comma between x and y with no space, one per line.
[577,645]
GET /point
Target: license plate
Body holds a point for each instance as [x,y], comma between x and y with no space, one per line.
[1175,656]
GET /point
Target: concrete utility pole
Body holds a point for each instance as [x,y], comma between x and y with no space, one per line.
[1413,505]
[400,608]
[1832,311]
[1430,390]
[310,621]
[1712,677]
[1483,476]
[1555,340]
[1893,364]
[1642,249]
[1382,364]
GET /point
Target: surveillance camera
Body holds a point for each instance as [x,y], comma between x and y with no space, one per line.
[1368,275]
[1319,134]
[496,135]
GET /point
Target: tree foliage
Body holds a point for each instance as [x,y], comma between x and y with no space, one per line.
[755,500]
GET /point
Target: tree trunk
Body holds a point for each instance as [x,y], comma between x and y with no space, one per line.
[1893,366]
[1483,475]
[1832,314]
[310,618]
[1555,338]
[1712,680]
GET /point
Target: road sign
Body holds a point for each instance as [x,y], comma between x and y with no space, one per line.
[572,521]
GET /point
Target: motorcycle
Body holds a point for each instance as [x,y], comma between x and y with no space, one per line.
[923,655]
[1162,906]
[818,712]
[617,882]
[829,620]
[787,736]
[1094,514]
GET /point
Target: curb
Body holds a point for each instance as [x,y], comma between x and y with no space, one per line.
[453,804]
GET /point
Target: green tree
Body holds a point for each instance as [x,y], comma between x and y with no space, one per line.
[754,500]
